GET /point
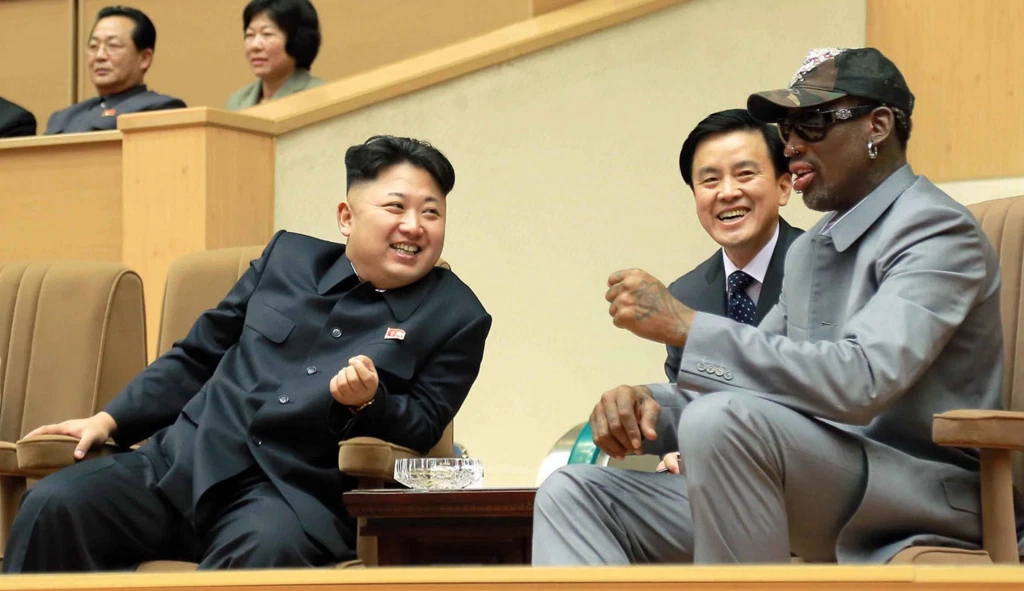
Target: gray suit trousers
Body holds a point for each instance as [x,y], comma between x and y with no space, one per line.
[759,481]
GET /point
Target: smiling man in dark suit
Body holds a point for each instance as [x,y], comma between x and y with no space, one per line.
[119,54]
[739,174]
[316,342]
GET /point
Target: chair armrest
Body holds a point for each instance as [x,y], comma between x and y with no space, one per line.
[8,459]
[369,457]
[41,455]
[985,429]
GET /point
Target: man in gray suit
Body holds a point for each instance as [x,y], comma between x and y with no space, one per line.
[120,52]
[811,433]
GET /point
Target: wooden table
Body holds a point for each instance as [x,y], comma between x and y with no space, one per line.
[474,526]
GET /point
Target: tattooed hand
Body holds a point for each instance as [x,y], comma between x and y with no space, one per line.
[643,305]
[621,417]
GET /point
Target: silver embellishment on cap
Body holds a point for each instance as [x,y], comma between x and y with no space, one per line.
[815,58]
[843,114]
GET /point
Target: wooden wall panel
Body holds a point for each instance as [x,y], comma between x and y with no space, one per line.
[962,60]
[200,52]
[39,52]
[190,185]
[61,197]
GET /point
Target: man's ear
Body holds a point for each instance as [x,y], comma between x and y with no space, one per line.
[147,60]
[345,219]
[785,184]
[883,121]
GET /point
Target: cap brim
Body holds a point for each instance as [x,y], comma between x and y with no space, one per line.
[772,105]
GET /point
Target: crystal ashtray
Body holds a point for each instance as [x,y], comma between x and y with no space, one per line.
[439,473]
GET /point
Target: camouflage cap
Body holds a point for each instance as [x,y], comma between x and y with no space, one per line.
[831,73]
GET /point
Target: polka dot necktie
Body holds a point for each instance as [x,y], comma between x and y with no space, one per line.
[741,307]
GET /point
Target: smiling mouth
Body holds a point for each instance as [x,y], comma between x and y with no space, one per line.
[406,249]
[733,215]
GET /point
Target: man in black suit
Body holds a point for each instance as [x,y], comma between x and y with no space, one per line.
[120,52]
[738,172]
[15,121]
[316,342]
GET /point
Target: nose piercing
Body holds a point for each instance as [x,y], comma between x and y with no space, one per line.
[792,152]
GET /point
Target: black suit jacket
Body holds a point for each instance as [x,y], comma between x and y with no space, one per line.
[249,385]
[100,113]
[15,121]
[703,288]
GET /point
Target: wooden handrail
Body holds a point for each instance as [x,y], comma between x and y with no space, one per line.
[196,116]
[44,141]
[505,44]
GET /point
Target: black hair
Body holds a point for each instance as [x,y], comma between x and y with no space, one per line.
[364,162]
[143,34]
[299,22]
[729,121]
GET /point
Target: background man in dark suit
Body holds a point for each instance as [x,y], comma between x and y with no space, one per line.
[15,120]
[739,174]
[316,342]
[120,53]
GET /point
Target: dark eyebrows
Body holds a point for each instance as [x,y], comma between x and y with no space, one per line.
[707,170]
[429,199]
[748,164]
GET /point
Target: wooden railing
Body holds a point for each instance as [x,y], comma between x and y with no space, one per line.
[688,578]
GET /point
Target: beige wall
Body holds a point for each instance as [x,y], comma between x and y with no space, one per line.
[567,171]
[973,191]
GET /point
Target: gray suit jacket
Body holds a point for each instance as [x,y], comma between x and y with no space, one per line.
[703,288]
[249,96]
[886,320]
[100,113]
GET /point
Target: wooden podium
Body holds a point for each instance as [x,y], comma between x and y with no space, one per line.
[166,184]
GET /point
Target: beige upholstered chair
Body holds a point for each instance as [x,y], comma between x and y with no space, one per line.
[197,282]
[996,433]
[72,334]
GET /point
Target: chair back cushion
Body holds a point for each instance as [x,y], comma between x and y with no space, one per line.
[1003,222]
[197,282]
[72,335]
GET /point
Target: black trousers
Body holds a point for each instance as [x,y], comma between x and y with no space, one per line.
[107,514]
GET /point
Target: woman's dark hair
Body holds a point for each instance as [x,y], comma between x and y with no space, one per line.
[298,20]
[364,162]
[143,34]
[729,121]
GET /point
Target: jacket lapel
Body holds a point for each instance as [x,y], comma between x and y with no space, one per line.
[712,298]
[771,289]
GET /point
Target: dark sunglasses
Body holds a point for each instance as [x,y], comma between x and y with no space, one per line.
[812,126]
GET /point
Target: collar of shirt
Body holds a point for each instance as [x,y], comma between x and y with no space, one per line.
[756,268]
[852,224]
[111,101]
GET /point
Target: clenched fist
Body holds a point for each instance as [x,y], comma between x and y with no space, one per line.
[643,305]
[355,384]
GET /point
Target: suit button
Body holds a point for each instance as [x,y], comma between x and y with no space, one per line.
[710,369]
[336,333]
[283,399]
[701,366]
[719,372]
[311,370]
[728,375]
[257,440]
